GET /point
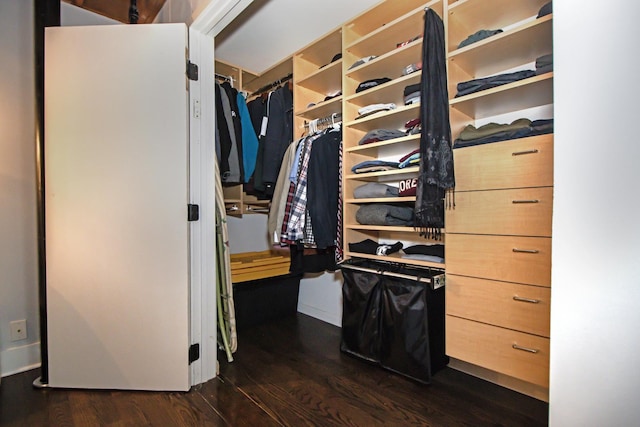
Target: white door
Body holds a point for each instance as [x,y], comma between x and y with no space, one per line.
[116,165]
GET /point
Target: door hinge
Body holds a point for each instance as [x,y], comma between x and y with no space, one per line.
[193,212]
[192,71]
[194,353]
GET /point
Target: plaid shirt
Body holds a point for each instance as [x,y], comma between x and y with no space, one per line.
[297,218]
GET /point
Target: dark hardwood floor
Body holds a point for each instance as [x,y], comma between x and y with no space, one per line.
[286,373]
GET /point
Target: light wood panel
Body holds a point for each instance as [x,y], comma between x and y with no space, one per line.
[526,162]
[500,258]
[509,305]
[522,212]
[492,347]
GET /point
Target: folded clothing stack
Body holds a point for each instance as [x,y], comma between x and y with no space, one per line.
[384,214]
[432,253]
[544,64]
[477,36]
[476,85]
[410,159]
[374,108]
[494,132]
[374,166]
[411,68]
[380,135]
[368,84]
[412,94]
[371,247]
[374,189]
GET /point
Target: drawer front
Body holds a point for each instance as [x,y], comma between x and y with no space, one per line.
[524,308]
[526,162]
[520,212]
[507,258]
[508,352]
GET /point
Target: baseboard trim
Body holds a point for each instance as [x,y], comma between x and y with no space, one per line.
[532,390]
[316,313]
[19,359]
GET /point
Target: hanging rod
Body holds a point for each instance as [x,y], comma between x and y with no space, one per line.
[230,79]
[273,84]
[334,118]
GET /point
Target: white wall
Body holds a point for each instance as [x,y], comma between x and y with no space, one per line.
[595,310]
[181,11]
[71,15]
[248,233]
[18,213]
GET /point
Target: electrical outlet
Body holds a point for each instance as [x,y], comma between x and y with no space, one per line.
[18,330]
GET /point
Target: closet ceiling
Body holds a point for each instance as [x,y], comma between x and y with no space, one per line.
[119,9]
[269,31]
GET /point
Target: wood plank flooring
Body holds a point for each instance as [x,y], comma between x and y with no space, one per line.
[285,373]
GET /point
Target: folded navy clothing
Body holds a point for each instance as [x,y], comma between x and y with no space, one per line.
[544,64]
[477,36]
[545,10]
[408,90]
[384,214]
[366,246]
[368,164]
[434,250]
[368,84]
[476,85]
[371,247]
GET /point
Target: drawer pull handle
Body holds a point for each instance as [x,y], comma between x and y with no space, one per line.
[520,153]
[529,300]
[516,202]
[526,251]
[528,350]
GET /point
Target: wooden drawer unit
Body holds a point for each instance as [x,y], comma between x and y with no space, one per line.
[512,353]
[526,162]
[507,258]
[509,305]
[520,212]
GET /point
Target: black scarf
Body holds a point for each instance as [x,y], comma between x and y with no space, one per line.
[436,167]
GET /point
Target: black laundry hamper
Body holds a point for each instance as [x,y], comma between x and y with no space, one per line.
[393,316]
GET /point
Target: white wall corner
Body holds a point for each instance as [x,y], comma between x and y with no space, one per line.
[19,359]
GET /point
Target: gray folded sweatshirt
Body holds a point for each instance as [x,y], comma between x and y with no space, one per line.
[375,189]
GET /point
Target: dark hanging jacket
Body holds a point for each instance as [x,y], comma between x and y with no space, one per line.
[232,94]
[224,140]
[279,135]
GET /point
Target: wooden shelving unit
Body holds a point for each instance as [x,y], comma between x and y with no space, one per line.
[498,248]
[317,78]
[392,32]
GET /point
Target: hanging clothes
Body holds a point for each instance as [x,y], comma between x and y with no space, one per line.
[436,175]
[228,160]
[322,183]
[278,136]
[235,129]
[249,138]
